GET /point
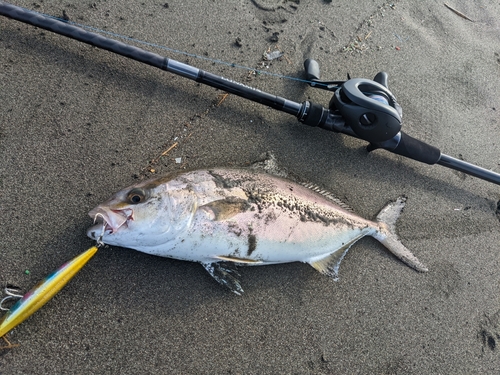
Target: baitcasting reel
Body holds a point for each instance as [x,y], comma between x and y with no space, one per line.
[368,107]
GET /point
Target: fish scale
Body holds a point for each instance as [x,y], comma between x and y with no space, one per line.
[244,217]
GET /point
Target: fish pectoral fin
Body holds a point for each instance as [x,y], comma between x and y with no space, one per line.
[226,208]
[224,276]
[330,264]
[237,260]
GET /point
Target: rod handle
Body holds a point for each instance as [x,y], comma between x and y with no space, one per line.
[411,148]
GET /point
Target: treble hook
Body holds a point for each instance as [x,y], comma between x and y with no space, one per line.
[40,293]
[11,294]
[99,239]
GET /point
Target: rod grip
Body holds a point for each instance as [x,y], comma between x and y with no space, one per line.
[417,150]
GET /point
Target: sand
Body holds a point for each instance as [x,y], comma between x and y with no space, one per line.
[78,123]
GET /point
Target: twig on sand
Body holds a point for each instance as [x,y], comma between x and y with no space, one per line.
[457,12]
[9,345]
[221,98]
[155,160]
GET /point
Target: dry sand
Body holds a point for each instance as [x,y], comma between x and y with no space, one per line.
[78,123]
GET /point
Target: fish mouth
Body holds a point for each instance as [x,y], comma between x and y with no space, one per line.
[110,220]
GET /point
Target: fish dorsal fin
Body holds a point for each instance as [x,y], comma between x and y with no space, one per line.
[267,163]
[226,208]
[327,195]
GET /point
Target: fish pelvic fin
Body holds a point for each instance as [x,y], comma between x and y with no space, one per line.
[247,261]
[225,275]
[387,236]
[330,264]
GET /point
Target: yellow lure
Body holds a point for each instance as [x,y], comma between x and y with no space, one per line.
[41,293]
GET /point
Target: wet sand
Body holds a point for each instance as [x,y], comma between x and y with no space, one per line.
[78,124]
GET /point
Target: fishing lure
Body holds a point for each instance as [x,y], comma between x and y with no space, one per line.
[41,293]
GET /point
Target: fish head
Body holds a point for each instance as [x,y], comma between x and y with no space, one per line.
[146,215]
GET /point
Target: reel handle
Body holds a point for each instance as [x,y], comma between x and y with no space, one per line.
[312,70]
[311,67]
[382,78]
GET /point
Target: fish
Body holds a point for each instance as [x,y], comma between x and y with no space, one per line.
[223,218]
[42,292]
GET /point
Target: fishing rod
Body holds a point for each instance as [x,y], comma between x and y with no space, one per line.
[361,108]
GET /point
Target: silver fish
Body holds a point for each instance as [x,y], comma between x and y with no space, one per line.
[220,217]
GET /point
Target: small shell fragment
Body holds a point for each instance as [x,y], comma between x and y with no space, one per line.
[269,56]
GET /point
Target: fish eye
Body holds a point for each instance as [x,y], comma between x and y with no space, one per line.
[136,196]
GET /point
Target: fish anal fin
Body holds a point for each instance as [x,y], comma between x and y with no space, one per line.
[330,264]
[226,208]
[224,276]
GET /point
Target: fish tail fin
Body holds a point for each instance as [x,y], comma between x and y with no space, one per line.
[387,236]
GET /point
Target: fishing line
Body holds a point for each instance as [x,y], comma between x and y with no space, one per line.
[172,50]
[352,110]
